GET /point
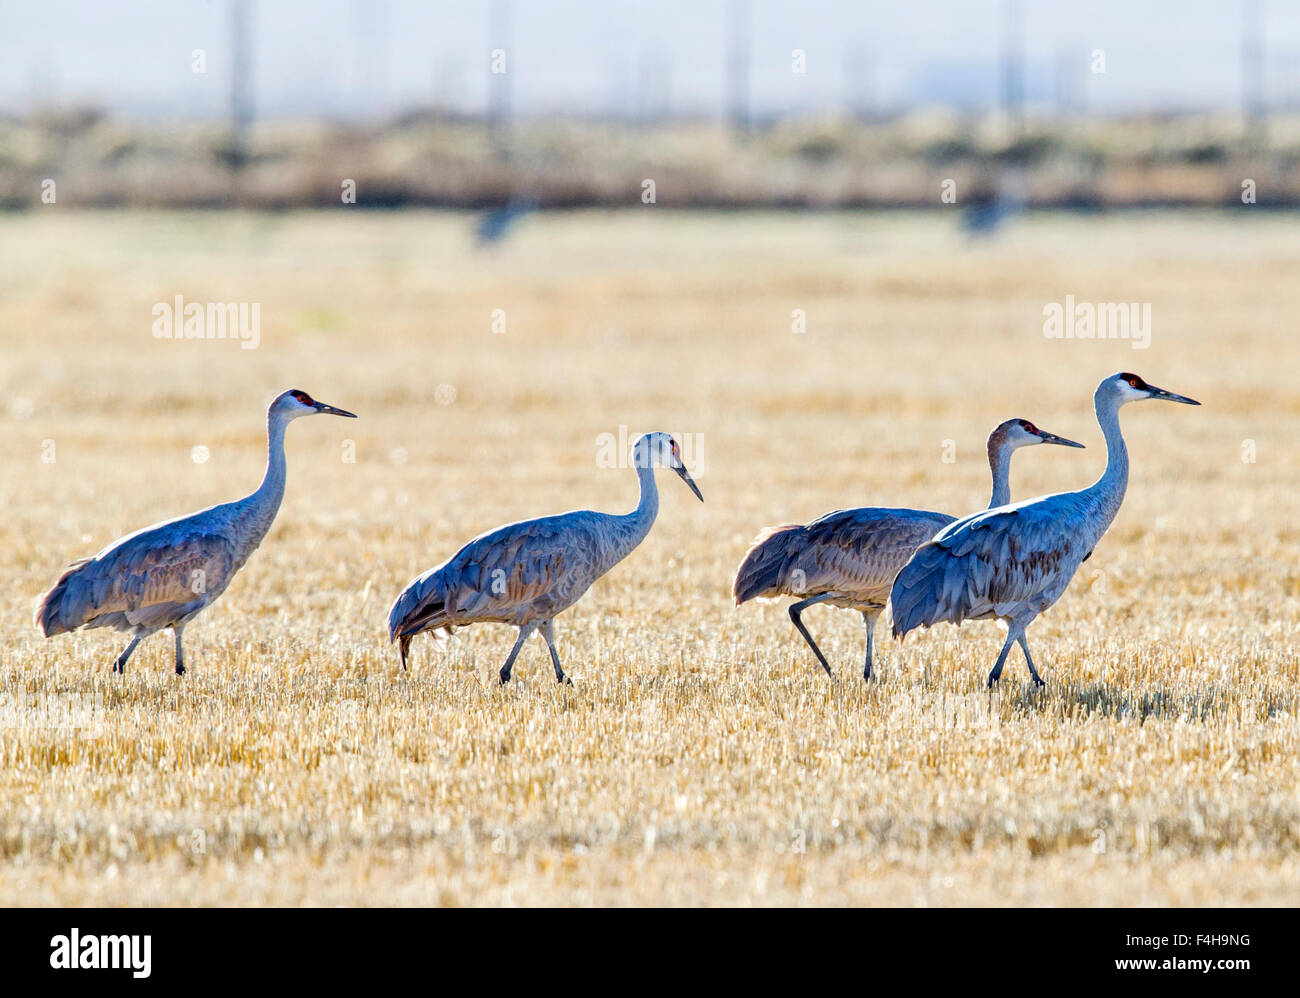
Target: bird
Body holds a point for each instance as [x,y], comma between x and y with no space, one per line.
[988,211]
[526,573]
[163,576]
[1014,561]
[497,222]
[849,558]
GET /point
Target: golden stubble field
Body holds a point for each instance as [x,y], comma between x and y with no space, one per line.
[701,757]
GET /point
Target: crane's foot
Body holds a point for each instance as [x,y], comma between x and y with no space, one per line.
[180,669]
[504,676]
[563,680]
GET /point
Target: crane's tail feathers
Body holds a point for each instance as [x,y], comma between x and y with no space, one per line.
[928,590]
[420,605]
[51,615]
[762,571]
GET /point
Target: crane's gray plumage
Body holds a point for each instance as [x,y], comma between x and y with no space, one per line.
[1015,561]
[162,576]
[849,558]
[526,573]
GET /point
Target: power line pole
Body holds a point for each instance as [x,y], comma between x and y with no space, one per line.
[652,87]
[502,65]
[1069,72]
[1013,65]
[738,95]
[370,59]
[1253,109]
[241,84]
[859,81]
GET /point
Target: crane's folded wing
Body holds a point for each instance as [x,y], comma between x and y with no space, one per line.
[142,582]
[865,548]
[990,562]
[497,573]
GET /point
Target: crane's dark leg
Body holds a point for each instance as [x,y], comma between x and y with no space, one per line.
[1024,646]
[795,610]
[403,645]
[996,674]
[120,664]
[548,632]
[524,632]
[869,619]
[180,655]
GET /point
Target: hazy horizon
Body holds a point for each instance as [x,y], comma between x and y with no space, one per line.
[345,58]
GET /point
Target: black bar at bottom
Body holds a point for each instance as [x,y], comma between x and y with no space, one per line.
[224,947]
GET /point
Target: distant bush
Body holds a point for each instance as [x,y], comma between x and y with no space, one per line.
[425,158]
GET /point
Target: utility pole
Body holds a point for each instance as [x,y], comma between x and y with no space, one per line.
[859,81]
[1013,65]
[738,94]
[369,76]
[1069,72]
[652,87]
[1253,109]
[502,66]
[241,87]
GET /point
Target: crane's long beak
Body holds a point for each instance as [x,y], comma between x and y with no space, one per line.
[1160,393]
[1052,438]
[686,477]
[333,411]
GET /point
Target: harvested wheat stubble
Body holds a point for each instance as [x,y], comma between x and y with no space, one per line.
[702,757]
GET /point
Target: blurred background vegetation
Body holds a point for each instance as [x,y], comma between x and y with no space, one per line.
[434,159]
[733,103]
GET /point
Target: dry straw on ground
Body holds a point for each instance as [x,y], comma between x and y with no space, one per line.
[702,757]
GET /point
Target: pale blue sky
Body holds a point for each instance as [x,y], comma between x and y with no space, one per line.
[350,58]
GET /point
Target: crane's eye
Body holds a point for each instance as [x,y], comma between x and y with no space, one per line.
[1027,425]
[1133,380]
[303,397]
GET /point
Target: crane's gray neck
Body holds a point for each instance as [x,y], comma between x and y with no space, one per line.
[1107,493]
[632,527]
[1000,465]
[265,502]
[1115,476]
[643,517]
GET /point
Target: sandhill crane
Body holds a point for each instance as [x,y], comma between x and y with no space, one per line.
[988,210]
[162,576]
[849,558]
[1015,561]
[498,222]
[527,573]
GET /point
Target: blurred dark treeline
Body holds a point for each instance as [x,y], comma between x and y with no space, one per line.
[436,160]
